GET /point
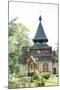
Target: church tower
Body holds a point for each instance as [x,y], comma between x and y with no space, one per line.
[41,51]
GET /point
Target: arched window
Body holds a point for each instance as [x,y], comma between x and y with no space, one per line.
[45,67]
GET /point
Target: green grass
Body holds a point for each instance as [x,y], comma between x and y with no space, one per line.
[53,80]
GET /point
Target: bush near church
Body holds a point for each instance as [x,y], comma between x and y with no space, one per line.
[45,75]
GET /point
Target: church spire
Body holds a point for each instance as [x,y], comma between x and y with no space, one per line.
[40,34]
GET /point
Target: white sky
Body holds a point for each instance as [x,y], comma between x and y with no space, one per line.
[28,14]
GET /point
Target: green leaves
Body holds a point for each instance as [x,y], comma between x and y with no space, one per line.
[18,37]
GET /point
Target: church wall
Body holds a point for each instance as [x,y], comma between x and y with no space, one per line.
[55,65]
[40,65]
[24,68]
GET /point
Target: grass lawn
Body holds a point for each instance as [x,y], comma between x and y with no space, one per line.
[53,80]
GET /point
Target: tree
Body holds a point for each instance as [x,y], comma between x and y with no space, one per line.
[18,38]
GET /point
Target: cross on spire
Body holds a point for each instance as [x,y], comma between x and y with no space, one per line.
[40,18]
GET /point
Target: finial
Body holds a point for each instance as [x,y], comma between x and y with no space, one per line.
[40,18]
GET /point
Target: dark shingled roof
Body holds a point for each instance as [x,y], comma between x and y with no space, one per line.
[42,57]
[40,46]
[40,34]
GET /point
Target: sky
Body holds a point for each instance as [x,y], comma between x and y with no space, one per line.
[28,14]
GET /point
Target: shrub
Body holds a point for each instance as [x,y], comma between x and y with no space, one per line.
[35,76]
[37,79]
[19,74]
[25,79]
[39,82]
[13,80]
[45,75]
[31,80]
[16,68]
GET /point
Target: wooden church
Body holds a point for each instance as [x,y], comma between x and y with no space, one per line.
[39,56]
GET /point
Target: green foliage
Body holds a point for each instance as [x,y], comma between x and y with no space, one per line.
[45,75]
[23,82]
[40,83]
[52,80]
[16,68]
[18,38]
[35,76]
[13,80]
[25,79]
[19,75]
[38,79]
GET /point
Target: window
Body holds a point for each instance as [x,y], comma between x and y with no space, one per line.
[45,67]
[54,70]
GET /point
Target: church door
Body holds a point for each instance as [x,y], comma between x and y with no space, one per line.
[45,67]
